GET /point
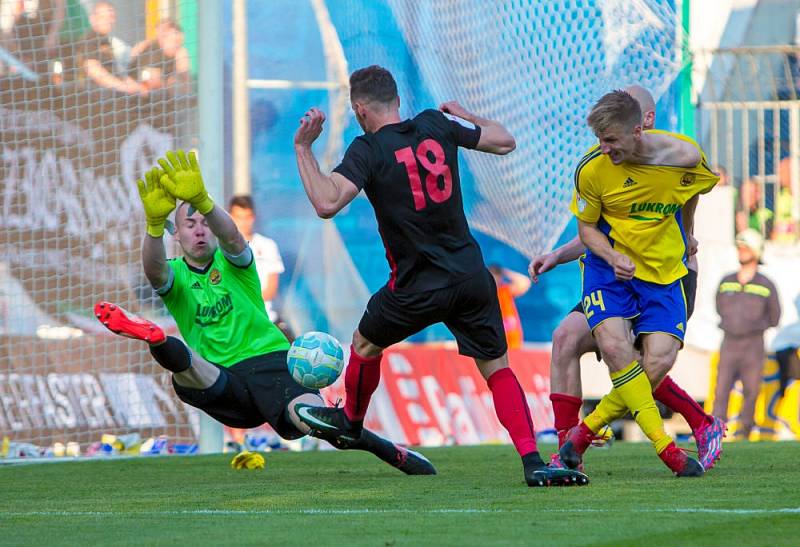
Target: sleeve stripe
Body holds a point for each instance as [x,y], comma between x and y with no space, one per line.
[242,260]
[581,164]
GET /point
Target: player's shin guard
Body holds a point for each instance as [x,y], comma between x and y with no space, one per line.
[633,387]
[173,355]
[360,381]
[512,410]
[676,399]
[566,412]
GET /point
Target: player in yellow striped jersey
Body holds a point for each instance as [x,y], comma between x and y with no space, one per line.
[572,338]
[635,195]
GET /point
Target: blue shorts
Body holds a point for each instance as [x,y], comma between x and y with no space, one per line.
[651,307]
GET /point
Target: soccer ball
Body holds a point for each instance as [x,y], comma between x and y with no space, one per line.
[315,360]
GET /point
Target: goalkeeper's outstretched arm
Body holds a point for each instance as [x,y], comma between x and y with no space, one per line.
[221,224]
[183,180]
[157,204]
[154,261]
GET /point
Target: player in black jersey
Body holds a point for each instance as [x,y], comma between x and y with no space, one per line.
[409,172]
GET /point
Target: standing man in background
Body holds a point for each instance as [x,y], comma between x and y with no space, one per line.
[748,304]
[269,264]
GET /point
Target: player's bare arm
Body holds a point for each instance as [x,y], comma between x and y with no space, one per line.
[667,150]
[597,242]
[562,255]
[183,180]
[495,139]
[327,193]
[687,215]
[157,204]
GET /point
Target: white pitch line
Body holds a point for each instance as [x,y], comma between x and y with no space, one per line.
[288,512]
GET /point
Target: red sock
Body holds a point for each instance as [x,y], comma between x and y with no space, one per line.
[566,411]
[360,381]
[677,400]
[512,410]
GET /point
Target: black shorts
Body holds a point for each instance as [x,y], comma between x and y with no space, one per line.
[470,310]
[689,282]
[249,393]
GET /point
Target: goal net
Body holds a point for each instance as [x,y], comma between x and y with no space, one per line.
[538,66]
[535,65]
[91,93]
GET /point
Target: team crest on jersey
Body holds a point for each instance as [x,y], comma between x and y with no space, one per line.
[581,204]
[214,276]
[687,179]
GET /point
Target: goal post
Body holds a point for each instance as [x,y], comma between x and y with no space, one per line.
[212,150]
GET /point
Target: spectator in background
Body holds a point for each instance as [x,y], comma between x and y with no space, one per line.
[747,303]
[785,221]
[724,180]
[510,285]
[749,211]
[725,199]
[269,264]
[162,62]
[103,58]
[34,31]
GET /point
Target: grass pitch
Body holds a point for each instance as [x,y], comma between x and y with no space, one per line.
[348,498]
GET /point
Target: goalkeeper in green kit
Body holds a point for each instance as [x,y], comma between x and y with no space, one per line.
[233,364]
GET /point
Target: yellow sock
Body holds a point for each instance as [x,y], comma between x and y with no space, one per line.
[633,387]
[610,408]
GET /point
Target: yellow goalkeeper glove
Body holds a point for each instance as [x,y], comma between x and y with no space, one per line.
[183,180]
[157,202]
[248,460]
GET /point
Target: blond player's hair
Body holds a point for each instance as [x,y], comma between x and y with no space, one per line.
[617,108]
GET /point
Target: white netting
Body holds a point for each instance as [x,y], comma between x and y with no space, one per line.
[537,66]
[81,117]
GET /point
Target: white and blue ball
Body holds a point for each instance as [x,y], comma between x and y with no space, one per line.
[315,360]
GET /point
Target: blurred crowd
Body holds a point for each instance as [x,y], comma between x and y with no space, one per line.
[58,42]
[766,207]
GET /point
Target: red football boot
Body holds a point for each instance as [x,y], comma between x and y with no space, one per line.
[680,463]
[578,440]
[119,321]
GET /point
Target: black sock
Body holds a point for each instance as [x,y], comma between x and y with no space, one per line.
[173,355]
[532,460]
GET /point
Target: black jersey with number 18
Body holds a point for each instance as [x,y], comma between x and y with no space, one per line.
[409,172]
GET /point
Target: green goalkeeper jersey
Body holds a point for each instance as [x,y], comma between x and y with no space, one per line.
[219,310]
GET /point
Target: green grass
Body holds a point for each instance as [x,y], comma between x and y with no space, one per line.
[330,498]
